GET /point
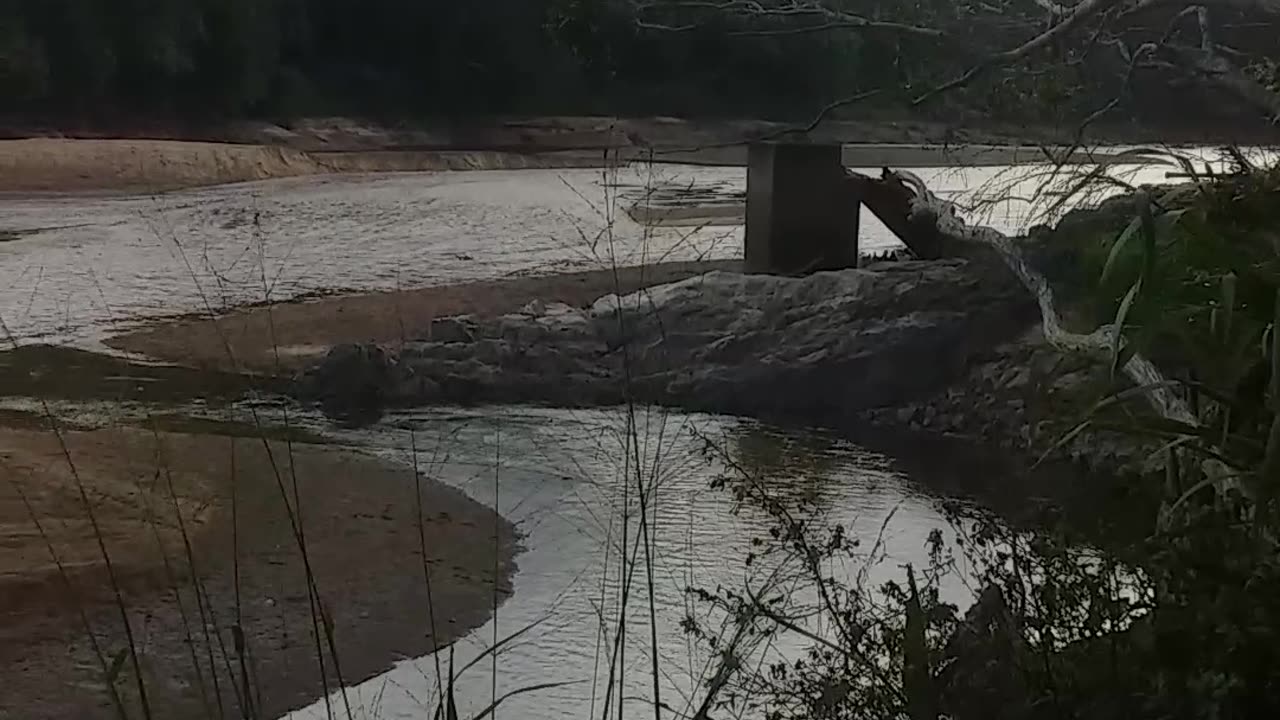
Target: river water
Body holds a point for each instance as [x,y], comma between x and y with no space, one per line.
[567,479]
[82,266]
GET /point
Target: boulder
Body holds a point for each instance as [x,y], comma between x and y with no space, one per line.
[354,380]
[817,347]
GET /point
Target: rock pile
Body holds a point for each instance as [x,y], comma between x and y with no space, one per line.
[822,348]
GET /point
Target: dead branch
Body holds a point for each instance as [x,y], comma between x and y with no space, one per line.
[1111,20]
[825,111]
[1217,70]
[1135,59]
[1081,14]
[1271,7]
[1055,9]
[785,131]
[840,25]
[1209,61]
[927,208]
[830,18]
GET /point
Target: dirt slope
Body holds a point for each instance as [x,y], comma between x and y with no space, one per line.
[60,165]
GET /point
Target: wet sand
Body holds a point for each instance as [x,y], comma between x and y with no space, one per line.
[360,520]
[284,337]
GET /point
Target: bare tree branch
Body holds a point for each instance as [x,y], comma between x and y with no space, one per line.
[1054,8]
[832,107]
[1082,13]
[1108,22]
[834,19]
[1217,70]
[1267,6]
[1135,58]
[842,25]
[783,131]
[1212,66]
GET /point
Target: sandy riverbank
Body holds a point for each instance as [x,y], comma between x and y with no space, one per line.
[362,533]
[291,335]
[59,165]
[37,160]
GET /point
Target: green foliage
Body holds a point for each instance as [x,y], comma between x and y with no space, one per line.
[1194,281]
[1206,306]
[1181,623]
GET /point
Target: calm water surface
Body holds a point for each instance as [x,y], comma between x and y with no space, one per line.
[86,264]
[565,479]
[95,263]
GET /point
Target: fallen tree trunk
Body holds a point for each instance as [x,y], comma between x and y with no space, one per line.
[931,228]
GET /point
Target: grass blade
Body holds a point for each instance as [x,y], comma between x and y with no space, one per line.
[1122,315]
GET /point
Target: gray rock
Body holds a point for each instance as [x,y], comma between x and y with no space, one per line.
[943,346]
[452,330]
[353,380]
[1023,416]
[820,348]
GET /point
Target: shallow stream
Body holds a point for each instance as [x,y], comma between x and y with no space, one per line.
[568,479]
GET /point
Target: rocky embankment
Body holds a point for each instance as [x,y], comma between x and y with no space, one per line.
[949,346]
[823,348]
[1026,398]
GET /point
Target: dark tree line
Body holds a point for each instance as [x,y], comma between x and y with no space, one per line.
[248,57]
[778,58]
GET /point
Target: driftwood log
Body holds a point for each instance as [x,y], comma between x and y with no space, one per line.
[931,228]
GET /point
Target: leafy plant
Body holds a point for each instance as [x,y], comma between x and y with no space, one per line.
[1182,623]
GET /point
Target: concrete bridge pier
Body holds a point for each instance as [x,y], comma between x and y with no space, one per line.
[802,212]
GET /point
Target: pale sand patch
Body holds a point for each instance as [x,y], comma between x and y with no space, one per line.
[74,165]
[61,165]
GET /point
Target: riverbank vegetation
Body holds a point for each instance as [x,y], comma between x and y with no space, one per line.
[1182,622]
[1179,623]
[1064,623]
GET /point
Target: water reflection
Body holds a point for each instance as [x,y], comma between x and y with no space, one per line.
[801,467]
[572,482]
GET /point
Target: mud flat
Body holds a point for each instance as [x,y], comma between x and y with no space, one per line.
[284,337]
[153,161]
[360,516]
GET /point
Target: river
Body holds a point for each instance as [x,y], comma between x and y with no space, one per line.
[84,266]
[567,479]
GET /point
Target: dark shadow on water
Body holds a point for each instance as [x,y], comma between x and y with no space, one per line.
[804,462]
[804,456]
[800,466]
[354,418]
[62,373]
[1102,508]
